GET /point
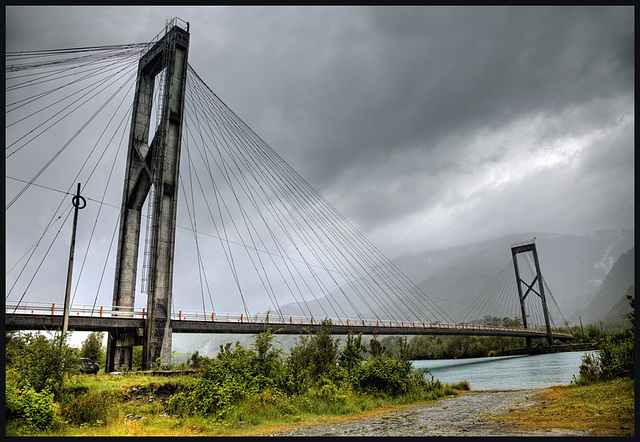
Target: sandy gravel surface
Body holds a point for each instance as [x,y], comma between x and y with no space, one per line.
[462,415]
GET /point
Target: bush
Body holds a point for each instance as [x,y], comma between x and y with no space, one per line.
[42,363]
[381,374]
[614,360]
[31,409]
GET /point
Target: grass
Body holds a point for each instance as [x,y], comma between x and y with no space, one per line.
[603,409]
[108,406]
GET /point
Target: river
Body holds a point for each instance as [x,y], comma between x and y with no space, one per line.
[507,372]
[498,384]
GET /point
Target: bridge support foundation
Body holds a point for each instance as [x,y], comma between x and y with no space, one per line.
[150,165]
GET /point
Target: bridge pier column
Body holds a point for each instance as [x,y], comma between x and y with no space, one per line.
[157,164]
[530,288]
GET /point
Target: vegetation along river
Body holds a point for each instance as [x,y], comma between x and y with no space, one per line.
[498,384]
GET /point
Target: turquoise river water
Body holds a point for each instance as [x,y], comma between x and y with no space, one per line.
[507,372]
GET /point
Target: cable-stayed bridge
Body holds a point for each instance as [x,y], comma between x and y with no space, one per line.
[210,218]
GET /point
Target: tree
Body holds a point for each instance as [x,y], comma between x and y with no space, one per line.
[352,354]
[41,363]
[92,347]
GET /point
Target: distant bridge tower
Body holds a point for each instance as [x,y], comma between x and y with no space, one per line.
[523,248]
[156,164]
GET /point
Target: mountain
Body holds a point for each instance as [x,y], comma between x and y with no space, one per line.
[574,267]
[612,291]
[614,317]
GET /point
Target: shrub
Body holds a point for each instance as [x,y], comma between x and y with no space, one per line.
[381,374]
[42,363]
[32,409]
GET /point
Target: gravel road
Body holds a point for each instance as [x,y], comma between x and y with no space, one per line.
[462,415]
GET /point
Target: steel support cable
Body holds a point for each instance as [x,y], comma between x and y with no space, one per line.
[18,104]
[53,219]
[33,246]
[557,310]
[65,192]
[201,268]
[41,73]
[58,206]
[92,69]
[104,267]
[227,250]
[13,57]
[338,265]
[250,194]
[341,232]
[41,262]
[259,169]
[492,302]
[105,82]
[73,181]
[213,137]
[343,271]
[227,173]
[480,304]
[193,222]
[303,256]
[106,185]
[115,229]
[230,254]
[42,95]
[318,228]
[86,123]
[378,251]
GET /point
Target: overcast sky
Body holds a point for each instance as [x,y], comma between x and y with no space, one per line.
[426,127]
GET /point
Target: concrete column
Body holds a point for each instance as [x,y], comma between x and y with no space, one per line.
[157,163]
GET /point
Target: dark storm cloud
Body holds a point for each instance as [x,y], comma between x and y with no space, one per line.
[426,126]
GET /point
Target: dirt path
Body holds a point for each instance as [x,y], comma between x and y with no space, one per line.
[462,415]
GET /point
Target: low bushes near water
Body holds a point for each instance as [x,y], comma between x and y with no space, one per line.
[615,355]
[238,390]
[242,385]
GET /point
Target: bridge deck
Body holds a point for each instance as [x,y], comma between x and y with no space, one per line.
[111,323]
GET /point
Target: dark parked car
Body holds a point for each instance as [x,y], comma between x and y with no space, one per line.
[88,366]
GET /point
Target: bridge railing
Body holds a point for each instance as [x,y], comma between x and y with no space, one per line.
[41,308]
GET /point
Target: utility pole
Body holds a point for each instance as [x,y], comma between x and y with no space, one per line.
[79,203]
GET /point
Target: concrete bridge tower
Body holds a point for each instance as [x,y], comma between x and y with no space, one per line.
[151,164]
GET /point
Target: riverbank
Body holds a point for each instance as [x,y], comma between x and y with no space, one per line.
[595,410]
